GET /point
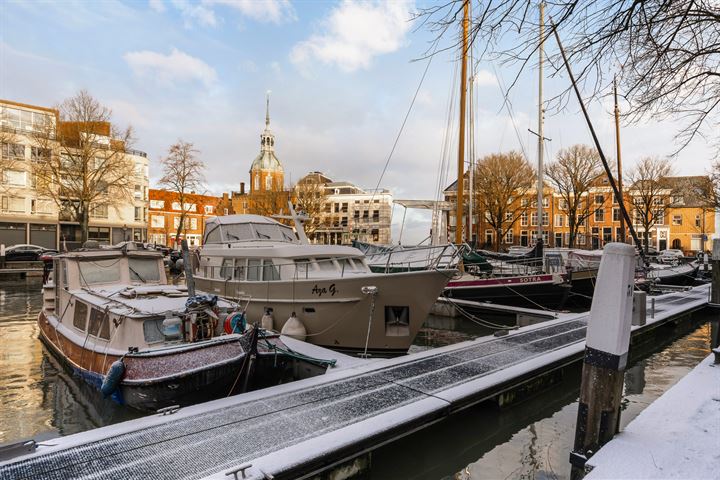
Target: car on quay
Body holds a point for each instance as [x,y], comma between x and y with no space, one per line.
[25,253]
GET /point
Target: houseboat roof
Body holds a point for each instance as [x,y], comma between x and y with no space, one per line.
[245,218]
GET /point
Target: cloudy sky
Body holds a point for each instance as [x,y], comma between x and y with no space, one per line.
[342,76]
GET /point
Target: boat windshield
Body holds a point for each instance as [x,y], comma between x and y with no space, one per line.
[144,270]
[258,231]
[100,271]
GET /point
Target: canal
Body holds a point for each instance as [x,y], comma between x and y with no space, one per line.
[42,400]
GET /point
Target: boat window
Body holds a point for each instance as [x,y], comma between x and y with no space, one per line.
[301,267]
[99,325]
[287,234]
[213,236]
[226,270]
[144,270]
[80,315]
[99,271]
[266,232]
[270,271]
[345,264]
[326,265]
[153,330]
[253,269]
[234,233]
[239,273]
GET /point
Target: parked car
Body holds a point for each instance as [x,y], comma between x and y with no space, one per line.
[25,253]
[671,255]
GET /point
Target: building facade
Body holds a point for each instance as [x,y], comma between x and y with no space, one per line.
[165,213]
[684,224]
[28,217]
[347,212]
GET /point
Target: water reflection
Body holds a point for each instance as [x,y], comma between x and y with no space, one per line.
[39,398]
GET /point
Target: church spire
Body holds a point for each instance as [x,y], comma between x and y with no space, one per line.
[267,110]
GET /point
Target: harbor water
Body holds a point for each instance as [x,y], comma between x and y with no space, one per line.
[40,399]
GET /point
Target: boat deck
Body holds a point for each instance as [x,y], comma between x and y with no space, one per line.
[295,429]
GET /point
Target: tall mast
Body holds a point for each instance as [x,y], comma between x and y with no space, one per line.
[541,138]
[619,160]
[461,141]
[471,144]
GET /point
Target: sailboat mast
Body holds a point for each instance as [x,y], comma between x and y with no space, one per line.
[619,160]
[461,140]
[541,138]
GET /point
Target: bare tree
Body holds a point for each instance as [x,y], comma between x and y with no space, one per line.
[651,193]
[501,179]
[311,198]
[665,53]
[12,154]
[182,175]
[708,191]
[572,175]
[80,163]
[269,202]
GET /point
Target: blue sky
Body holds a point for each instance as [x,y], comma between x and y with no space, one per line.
[342,76]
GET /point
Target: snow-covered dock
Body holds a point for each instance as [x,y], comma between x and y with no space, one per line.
[296,429]
[677,436]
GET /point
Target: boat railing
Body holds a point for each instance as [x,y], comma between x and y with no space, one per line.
[427,257]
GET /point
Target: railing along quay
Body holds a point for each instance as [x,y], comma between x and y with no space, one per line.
[302,428]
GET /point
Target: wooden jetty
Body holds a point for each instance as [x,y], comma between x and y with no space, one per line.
[317,425]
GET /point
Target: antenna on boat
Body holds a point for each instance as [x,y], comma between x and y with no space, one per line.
[298,219]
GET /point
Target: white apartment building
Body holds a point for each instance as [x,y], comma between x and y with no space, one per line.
[26,217]
[351,213]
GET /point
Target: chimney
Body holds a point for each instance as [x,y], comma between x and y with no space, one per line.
[242,188]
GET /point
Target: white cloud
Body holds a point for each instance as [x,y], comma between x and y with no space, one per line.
[177,66]
[354,33]
[157,5]
[272,11]
[484,78]
[195,13]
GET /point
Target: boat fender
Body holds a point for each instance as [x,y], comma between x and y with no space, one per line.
[235,323]
[294,328]
[267,322]
[112,379]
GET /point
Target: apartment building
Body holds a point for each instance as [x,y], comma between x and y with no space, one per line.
[28,217]
[683,222]
[166,211]
[349,212]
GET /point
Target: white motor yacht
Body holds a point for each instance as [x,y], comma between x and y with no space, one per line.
[329,290]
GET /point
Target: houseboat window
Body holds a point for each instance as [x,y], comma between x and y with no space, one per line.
[345,264]
[144,269]
[234,233]
[239,273]
[270,271]
[99,325]
[80,315]
[100,271]
[226,270]
[153,330]
[213,236]
[253,269]
[287,234]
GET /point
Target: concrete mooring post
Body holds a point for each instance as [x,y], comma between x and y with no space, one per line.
[715,286]
[606,352]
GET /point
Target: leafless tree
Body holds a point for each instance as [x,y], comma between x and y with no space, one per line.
[501,179]
[651,193]
[183,174]
[572,175]
[12,154]
[709,190]
[269,202]
[80,163]
[666,53]
[311,198]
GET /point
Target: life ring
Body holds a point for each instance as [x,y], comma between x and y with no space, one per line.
[235,323]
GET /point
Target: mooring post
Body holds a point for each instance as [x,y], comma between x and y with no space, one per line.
[606,352]
[189,280]
[715,286]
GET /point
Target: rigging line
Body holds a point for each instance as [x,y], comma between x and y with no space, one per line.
[402,126]
[507,103]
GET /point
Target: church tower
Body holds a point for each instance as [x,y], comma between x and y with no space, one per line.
[266,172]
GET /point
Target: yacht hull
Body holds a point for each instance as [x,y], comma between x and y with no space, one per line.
[337,314]
[528,291]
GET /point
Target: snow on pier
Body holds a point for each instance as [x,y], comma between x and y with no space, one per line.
[677,436]
[298,428]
